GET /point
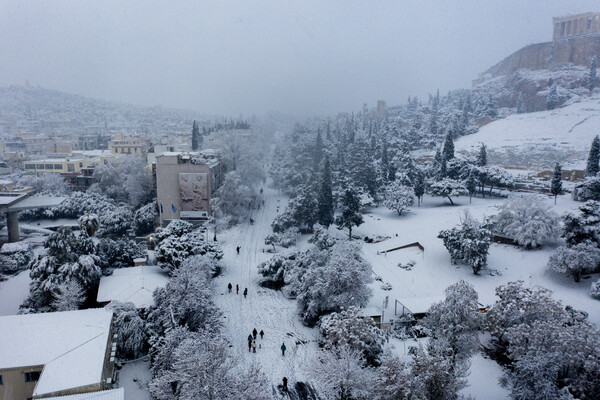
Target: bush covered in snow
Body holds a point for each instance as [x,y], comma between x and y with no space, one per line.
[468,243]
[90,223]
[234,198]
[582,226]
[528,220]
[589,189]
[283,239]
[595,290]
[116,221]
[349,327]
[14,257]
[118,253]
[577,260]
[322,238]
[174,249]
[275,269]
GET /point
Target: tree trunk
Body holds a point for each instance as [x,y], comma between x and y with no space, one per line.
[451,202]
[577,276]
[555,199]
[350,233]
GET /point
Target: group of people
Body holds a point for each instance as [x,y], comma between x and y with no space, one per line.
[237,289]
[252,340]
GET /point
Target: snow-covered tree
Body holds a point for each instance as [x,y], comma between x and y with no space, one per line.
[593,160]
[521,104]
[176,227]
[14,257]
[349,327]
[419,186]
[90,223]
[144,219]
[322,238]
[448,188]
[46,184]
[284,239]
[205,264]
[394,379]
[350,215]
[468,243]
[68,295]
[456,320]
[234,198]
[130,328]
[471,185]
[589,189]
[338,282]
[325,196]
[482,156]
[195,136]
[552,99]
[118,253]
[339,374]
[304,207]
[583,226]
[173,250]
[528,220]
[556,183]
[595,290]
[116,221]
[398,197]
[576,260]
[448,149]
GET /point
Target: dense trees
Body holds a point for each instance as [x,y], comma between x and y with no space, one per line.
[350,212]
[556,183]
[593,161]
[468,243]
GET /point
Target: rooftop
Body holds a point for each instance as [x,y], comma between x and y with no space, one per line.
[115,394]
[132,285]
[71,346]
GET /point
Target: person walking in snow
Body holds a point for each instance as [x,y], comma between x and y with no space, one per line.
[284,386]
[229,287]
[245,292]
[283,348]
[237,289]
[249,345]
[237,249]
[261,334]
[254,346]
[254,333]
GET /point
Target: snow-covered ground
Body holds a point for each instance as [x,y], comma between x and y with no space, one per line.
[263,309]
[134,378]
[541,138]
[13,292]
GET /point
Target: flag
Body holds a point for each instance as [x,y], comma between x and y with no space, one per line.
[161,208]
[173,208]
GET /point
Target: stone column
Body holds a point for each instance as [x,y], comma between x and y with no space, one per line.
[13,226]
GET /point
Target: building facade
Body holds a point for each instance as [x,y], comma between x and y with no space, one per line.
[575,25]
[120,144]
[185,183]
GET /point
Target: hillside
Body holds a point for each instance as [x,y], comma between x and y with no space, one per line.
[539,139]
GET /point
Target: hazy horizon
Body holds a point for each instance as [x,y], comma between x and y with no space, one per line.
[234,57]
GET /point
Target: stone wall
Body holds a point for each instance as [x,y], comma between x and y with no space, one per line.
[575,50]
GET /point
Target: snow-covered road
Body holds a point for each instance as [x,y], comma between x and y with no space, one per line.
[263,308]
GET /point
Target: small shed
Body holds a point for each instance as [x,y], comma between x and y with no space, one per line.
[415,306]
[134,285]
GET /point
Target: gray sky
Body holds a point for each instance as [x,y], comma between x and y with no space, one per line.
[231,57]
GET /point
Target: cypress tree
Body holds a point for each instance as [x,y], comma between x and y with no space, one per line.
[556,184]
[592,78]
[419,186]
[385,163]
[350,212]
[318,154]
[593,158]
[471,185]
[552,100]
[195,136]
[482,156]
[448,151]
[325,200]
[520,104]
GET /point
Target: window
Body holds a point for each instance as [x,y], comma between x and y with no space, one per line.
[80,165]
[1,383]
[40,166]
[71,167]
[32,376]
[57,166]
[29,166]
[49,166]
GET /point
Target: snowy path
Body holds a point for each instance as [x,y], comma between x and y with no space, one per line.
[263,309]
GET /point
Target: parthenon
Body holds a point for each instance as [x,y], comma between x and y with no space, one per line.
[574,25]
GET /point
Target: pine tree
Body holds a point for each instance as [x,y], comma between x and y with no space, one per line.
[419,187]
[482,156]
[552,100]
[350,212]
[385,163]
[448,151]
[592,78]
[195,136]
[325,200]
[593,158]
[520,104]
[556,184]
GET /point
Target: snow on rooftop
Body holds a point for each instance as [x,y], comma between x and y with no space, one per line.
[114,394]
[71,346]
[36,202]
[134,285]
[418,305]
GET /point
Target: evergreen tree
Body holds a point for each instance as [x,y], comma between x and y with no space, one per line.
[350,212]
[482,156]
[471,184]
[328,132]
[556,184]
[419,186]
[520,104]
[448,151]
[592,78]
[552,100]
[593,158]
[443,169]
[325,200]
[385,163]
[318,154]
[490,107]
[195,136]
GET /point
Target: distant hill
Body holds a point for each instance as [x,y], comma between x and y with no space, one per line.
[536,140]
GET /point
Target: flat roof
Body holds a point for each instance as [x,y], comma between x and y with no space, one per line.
[33,202]
[114,394]
[419,305]
[71,345]
[132,285]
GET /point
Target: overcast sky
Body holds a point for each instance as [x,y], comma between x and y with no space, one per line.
[250,56]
